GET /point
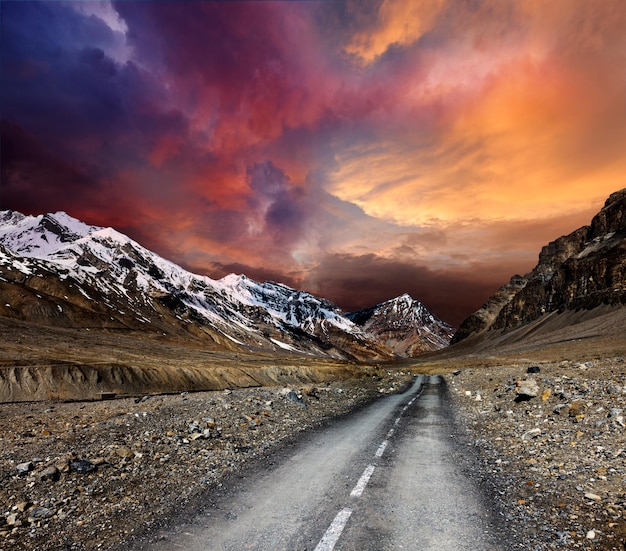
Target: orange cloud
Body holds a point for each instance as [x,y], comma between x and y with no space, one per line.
[527,128]
[399,23]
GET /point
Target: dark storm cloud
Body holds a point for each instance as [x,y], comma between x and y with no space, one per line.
[36,181]
[281,206]
[355,282]
[74,117]
[56,79]
[213,39]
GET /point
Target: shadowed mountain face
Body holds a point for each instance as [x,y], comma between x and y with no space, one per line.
[582,270]
[56,270]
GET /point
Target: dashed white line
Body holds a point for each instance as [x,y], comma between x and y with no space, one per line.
[381,448]
[360,485]
[329,539]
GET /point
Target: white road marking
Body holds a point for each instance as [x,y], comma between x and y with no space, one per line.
[328,541]
[330,538]
[365,478]
[381,448]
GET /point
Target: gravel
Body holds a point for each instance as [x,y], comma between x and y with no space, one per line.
[98,475]
[551,442]
[547,441]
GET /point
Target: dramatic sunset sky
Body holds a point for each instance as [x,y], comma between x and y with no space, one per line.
[355,149]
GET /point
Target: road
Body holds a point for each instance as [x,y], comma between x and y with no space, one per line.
[384,478]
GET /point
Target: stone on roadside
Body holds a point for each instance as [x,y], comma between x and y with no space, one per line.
[22,506]
[193,427]
[533,433]
[526,390]
[125,452]
[576,408]
[296,398]
[12,520]
[24,468]
[39,513]
[560,408]
[82,466]
[50,473]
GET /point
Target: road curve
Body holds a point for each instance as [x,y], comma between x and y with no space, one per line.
[384,478]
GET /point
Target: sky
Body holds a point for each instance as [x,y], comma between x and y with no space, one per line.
[355,149]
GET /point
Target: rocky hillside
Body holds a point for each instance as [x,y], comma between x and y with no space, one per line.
[404,325]
[582,270]
[56,270]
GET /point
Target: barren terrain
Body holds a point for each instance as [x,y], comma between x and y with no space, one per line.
[45,363]
[97,474]
[557,460]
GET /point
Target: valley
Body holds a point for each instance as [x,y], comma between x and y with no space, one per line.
[135,395]
[156,460]
[47,363]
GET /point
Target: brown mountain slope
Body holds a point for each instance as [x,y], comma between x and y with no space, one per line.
[582,270]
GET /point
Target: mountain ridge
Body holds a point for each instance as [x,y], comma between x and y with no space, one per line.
[581,270]
[141,289]
[405,325]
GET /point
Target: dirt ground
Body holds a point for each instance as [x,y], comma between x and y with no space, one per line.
[97,474]
[555,459]
[94,475]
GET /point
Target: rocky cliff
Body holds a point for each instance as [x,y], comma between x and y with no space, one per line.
[584,269]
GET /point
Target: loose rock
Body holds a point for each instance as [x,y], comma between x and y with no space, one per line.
[82,466]
[526,389]
[24,468]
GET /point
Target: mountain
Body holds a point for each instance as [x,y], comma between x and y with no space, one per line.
[405,326]
[580,271]
[57,270]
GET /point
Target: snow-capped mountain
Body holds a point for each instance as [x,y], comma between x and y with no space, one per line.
[56,269]
[79,274]
[405,325]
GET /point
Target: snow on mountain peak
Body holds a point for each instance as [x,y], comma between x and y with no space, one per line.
[41,235]
[405,325]
[107,263]
[123,272]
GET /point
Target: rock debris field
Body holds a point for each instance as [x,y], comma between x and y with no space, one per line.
[552,441]
[98,475]
[547,440]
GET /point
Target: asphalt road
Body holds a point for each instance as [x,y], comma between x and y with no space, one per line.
[385,478]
